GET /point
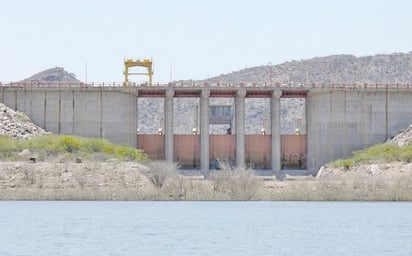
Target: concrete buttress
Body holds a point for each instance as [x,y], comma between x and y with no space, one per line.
[168,123]
[204,130]
[275,126]
[240,128]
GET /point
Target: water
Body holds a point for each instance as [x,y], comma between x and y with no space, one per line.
[205,228]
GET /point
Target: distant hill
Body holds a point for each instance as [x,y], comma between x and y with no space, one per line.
[53,75]
[381,68]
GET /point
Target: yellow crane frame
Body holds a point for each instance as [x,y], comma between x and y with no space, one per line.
[129,63]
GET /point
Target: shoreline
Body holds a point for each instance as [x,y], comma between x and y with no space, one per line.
[129,181]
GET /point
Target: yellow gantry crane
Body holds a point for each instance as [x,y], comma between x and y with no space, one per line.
[129,63]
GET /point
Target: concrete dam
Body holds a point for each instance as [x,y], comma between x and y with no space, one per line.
[340,118]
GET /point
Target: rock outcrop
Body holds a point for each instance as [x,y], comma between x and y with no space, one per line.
[403,138]
[17,125]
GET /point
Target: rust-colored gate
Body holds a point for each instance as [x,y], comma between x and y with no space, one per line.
[293,148]
[258,151]
[152,145]
[222,148]
[187,151]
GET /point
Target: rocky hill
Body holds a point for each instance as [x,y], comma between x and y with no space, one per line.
[53,75]
[382,68]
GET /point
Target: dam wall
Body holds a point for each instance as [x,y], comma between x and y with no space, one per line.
[340,121]
[98,112]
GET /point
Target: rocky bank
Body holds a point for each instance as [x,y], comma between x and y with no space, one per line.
[17,125]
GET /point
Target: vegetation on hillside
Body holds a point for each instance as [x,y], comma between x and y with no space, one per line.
[69,147]
[378,153]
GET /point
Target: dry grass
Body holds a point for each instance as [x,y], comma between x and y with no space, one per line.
[160,171]
[346,189]
[131,181]
[185,189]
[224,184]
[235,184]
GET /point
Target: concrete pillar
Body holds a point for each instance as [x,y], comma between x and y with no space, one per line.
[168,124]
[240,127]
[204,131]
[275,126]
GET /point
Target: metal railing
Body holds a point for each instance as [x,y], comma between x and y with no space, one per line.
[212,85]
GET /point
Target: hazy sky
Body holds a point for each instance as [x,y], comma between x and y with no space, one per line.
[193,39]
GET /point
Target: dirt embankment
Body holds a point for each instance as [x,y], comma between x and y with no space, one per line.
[131,181]
[393,170]
[88,180]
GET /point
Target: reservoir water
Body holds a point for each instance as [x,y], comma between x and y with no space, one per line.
[205,228]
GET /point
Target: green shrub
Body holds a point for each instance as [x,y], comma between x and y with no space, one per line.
[47,143]
[342,163]
[70,146]
[94,145]
[379,152]
[405,154]
[109,149]
[129,154]
[8,146]
[387,152]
